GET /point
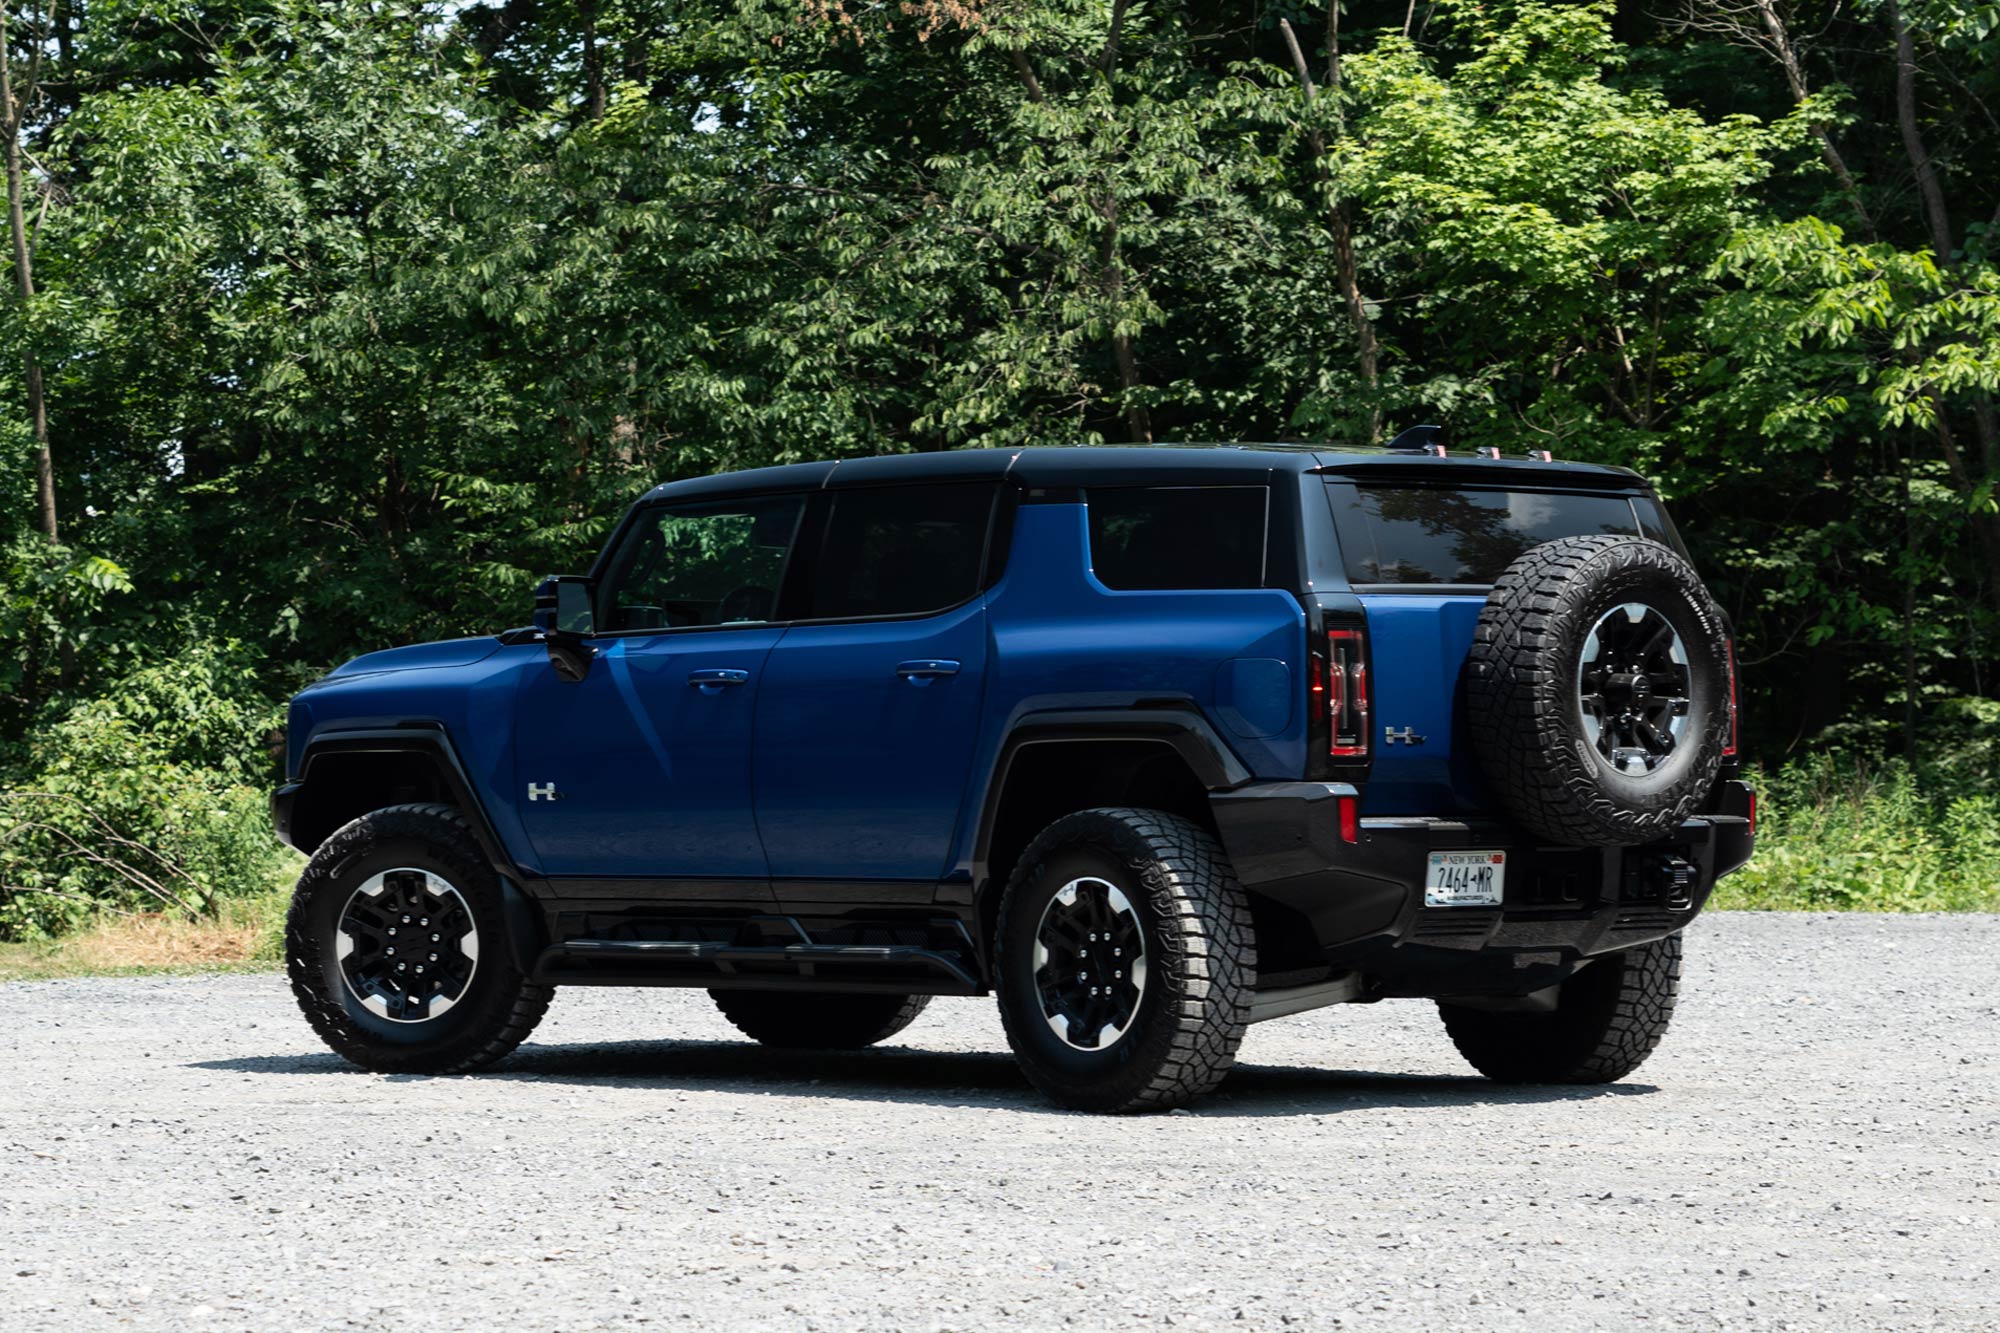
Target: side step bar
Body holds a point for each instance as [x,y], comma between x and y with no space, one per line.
[801,965]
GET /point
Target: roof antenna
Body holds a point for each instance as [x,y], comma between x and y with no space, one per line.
[1419,440]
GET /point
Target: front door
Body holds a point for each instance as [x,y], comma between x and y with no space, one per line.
[870,710]
[642,768]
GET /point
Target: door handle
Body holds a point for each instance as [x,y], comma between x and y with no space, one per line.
[709,680]
[926,668]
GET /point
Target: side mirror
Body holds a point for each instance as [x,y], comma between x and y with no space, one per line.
[565,619]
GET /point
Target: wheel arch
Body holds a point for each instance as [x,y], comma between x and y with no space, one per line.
[1055,764]
[345,774]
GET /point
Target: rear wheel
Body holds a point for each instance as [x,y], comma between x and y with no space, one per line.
[1124,961]
[397,948]
[1607,1020]
[806,1021]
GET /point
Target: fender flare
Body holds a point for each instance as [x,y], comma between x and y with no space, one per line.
[1187,732]
[425,738]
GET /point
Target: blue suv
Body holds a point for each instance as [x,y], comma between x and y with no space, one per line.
[1151,743]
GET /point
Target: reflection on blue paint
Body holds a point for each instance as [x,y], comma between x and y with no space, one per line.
[628,694]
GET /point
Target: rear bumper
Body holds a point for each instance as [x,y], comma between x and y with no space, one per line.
[1363,902]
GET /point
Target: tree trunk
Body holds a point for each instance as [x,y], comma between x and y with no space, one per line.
[1337,223]
[1931,190]
[15,112]
[1909,620]
[593,61]
[1985,524]
[1787,53]
[1928,187]
[1138,421]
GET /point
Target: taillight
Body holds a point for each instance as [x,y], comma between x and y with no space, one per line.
[1729,750]
[1347,693]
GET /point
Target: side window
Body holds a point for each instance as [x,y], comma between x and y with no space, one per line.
[719,563]
[1189,537]
[901,550]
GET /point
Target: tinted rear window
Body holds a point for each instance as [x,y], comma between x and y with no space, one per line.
[1178,536]
[1425,534]
[901,550]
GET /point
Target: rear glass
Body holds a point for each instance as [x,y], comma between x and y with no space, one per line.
[1427,534]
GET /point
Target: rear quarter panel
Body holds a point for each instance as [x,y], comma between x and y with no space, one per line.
[1061,640]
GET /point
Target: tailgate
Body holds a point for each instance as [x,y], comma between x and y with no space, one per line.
[1423,761]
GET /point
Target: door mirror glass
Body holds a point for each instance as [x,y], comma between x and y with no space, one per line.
[564,616]
[573,614]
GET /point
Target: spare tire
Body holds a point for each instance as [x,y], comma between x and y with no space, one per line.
[1597,690]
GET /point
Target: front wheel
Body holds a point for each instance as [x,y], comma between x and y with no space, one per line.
[1607,1020]
[397,947]
[1125,961]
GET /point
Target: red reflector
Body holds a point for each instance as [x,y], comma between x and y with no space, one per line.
[1350,819]
[1753,811]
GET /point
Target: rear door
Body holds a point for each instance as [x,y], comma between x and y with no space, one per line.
[869,709]
[1423,558]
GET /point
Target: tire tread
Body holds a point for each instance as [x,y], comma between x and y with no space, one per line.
[1204,928]
[1615,1024]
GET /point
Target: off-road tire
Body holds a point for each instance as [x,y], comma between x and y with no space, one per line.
[500,1006]
[1522,682]
[1201,961]
[805,1021]
[1607,1020]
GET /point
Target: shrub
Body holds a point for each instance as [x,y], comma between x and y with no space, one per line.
[151,796]
[1836,833]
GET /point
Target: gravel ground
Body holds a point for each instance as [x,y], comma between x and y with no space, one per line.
[1817,1145]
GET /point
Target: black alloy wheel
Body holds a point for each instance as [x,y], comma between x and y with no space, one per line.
[401,950]
[1124,961]
[1633,687]
[408,945]
[1090,963]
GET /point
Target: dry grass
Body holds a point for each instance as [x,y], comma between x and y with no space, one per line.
[244,934]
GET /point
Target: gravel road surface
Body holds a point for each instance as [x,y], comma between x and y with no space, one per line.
[1816,1146]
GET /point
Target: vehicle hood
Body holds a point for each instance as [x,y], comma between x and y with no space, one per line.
[449,653]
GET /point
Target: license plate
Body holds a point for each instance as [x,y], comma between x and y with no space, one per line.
[1466,879]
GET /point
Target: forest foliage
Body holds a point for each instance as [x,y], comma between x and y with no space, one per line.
[338,322]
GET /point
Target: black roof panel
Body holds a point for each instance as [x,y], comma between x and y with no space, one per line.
[1156,464]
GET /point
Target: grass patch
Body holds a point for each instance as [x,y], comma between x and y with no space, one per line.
[245,934]
[1837,835]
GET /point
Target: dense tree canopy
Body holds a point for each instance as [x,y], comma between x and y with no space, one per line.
[351,318]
